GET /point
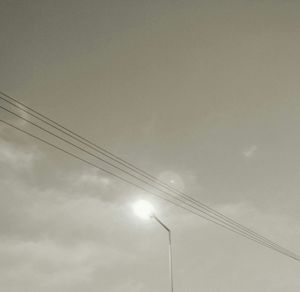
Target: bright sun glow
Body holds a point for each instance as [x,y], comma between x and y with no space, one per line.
[143,209]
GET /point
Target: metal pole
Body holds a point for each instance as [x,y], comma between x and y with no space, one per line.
[170,252]
[170,262]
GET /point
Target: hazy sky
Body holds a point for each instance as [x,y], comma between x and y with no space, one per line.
[204,93]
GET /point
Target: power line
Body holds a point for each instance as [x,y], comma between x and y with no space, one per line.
[277,246]
[289,254]
[118,168]
[122,162]
[268,243]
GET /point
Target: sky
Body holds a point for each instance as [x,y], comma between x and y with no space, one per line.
[202,94]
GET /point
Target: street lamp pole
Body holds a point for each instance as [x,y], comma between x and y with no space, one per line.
[170,251]
[145,210]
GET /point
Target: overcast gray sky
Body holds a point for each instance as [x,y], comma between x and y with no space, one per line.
[203,93]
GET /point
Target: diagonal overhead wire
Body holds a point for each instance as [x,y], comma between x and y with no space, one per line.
[286,253]
[24,108]
[106,162]
[212,215]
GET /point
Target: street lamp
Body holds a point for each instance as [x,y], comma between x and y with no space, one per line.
[145,210]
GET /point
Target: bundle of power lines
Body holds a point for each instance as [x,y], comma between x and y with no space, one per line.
[121,169]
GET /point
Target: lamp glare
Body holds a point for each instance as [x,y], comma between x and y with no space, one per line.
[143,209]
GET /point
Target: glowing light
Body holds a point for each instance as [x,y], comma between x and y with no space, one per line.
[143,209]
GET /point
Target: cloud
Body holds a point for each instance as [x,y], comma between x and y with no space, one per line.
[17,157]
[93,178]
[80,235]
[52,240]
[44,265]
[250,151]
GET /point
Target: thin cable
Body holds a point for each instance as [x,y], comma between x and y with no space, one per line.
[127,173]
[146,190]
[255,234]
[129,166]
[287,253]
[216,215]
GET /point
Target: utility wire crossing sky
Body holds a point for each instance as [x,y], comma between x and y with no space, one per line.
[142,179]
